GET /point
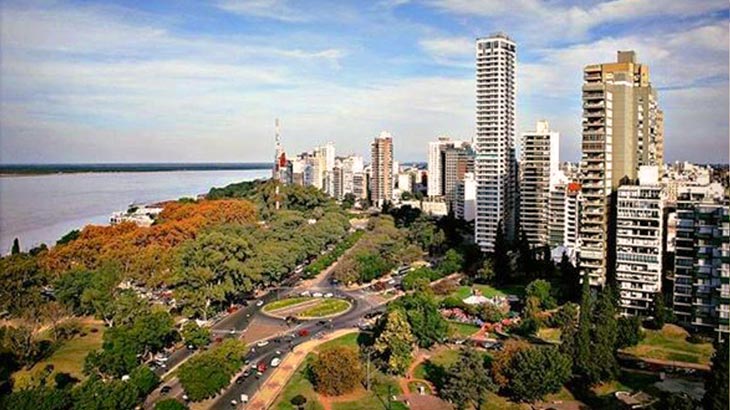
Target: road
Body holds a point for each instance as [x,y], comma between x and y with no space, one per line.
[236,323]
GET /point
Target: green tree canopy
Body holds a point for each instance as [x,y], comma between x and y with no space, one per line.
[468,381]
[395,343]
[536,372]
[337,371]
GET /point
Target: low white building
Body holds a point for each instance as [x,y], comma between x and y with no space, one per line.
[139,215]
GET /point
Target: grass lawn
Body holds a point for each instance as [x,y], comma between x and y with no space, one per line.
[670,344]
[462,330]
[327,307]
[280,304]
[627,381]
[299,384]
[496,402]
[444,358]
[68,358]
[489,291]
[376,399]
[549,334]
[349,340]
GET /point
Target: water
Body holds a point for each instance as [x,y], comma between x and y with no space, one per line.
[42,208]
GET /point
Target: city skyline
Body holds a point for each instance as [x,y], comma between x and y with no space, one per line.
[163,84]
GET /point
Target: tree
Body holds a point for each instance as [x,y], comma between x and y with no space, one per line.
[503,360]
[39,398]
[525,258]
[486,273]
[16,247]
[424,318]
[583,364]
[205,374]
[21,279]
[395,343]
[298,401]
[194,335]
[502,265]
[170,404]
[530,323]
[628,332]
[452,262]
[567,315]
[716,381]
[537,371]
[541,290]
[604,336]
[348,201]
[468,381]
[337,371]
[659,311]
[571,286]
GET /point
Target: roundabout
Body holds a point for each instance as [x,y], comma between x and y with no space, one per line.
[307,308]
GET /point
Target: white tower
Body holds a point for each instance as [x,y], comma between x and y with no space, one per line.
[495,132]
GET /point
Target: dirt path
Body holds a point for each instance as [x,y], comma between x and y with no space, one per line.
[403,382]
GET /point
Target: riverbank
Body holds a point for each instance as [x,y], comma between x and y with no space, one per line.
[46,169]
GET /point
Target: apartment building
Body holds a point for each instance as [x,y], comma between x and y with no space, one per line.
[381,162]
[495,165]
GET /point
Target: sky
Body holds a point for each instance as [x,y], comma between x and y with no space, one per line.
[194,80]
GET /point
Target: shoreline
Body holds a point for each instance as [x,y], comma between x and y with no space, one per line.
[12,170]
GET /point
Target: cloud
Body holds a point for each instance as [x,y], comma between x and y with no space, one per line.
[455,51]
[540,22]
[267,9]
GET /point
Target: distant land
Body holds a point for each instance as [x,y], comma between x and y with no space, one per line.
[36,169]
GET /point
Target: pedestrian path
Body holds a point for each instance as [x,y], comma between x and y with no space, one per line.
[274,385]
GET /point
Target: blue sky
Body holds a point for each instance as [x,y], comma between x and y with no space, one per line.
[169,81]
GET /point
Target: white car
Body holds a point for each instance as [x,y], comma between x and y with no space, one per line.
[244,398]
[306,293]
[317,294]
[328,294]
[262,343]
[260,303]
[275,362]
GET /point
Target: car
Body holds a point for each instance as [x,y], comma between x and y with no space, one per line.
[232,331]
[278,352]
[244,398]
[234,403]
[185,398]
[165,389]
[191,347]
[262,343]
[303,333]
[246,373]
[329,295]
[306,293]
[261,366]
[322,322]
[160,358]
[317,294]
[275,362]
[260,303]
[239,379]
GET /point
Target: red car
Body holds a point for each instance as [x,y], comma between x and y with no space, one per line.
[303,333]
[261,366]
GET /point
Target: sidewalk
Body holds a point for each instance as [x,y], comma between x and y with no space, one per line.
[273,386]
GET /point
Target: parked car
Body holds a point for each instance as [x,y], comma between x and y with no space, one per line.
[329,295]
[275,362]
[262,343]
[306,293]
[259,303]
[303,332]
[261,367]
[317,294]
[165,389]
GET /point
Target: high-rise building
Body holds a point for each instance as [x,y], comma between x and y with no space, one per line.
[495,165]
[435,186]
[466,195]
[349,166]
[621,130]
[458,161]
[564,210]
[381,183]
[702,261]
[538,176]
[639,243]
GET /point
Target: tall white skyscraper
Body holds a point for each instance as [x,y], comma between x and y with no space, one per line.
[539,150]
[495,157]
[435,165]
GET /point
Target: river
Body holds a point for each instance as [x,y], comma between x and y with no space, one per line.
[42,208]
